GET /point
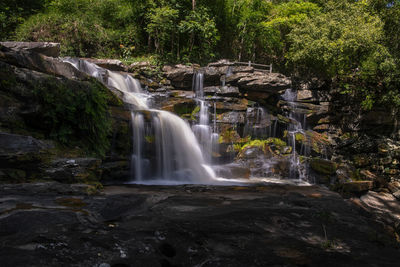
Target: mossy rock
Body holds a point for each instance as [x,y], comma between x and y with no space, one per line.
[322,166]
[361,160]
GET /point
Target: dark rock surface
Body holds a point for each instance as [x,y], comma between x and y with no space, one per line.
[273,225]
[45,48]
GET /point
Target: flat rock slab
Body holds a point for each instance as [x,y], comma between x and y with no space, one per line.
[46,48]
[262,225]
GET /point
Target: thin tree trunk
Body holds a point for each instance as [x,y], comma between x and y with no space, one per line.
[194,4]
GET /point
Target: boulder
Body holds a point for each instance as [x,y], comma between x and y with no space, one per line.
[46,48]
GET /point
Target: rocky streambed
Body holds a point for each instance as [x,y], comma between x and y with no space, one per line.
[52,224]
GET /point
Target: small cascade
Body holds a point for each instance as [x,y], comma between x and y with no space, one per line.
[296,126]
[206,135]
[258,123]
[165,150]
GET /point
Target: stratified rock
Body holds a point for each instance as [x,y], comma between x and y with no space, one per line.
[11,144]
[38,62]
[73,170]
[265,82]
[221,63]
[227,106]
[45,48]
[232,117]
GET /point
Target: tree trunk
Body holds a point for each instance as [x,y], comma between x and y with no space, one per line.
[194,4]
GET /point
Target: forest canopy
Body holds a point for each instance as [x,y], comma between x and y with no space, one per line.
[353,42]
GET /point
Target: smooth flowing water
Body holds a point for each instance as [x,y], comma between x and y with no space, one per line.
[296,126]
[206,135]
[175,155]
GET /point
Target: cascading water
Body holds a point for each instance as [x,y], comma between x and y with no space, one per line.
[206,135]
[178,157]
[297,126]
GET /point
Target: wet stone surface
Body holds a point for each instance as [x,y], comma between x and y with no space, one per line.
[262,225]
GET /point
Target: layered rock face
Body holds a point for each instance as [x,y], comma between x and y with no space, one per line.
[249,108]
[346,146]
[33,120]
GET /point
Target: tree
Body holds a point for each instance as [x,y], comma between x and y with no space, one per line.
[162,27]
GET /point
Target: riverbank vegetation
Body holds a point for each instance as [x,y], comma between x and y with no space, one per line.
[354,44]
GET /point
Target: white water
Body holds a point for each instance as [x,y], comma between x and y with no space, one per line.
[178,156]
[296,126]
[206,135]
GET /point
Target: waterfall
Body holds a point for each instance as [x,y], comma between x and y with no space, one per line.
[206,135]
[297,125]
[176,155]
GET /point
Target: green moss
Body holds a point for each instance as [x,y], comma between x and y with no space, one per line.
[75,113]
[300,137]
[322,166]
[276,141]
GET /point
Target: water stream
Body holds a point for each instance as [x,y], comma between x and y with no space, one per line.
[296,127]
[175,155]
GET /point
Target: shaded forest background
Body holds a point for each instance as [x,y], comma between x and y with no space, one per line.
[353,44]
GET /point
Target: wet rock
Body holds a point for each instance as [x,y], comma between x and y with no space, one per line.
[211,76]
[322,166]
[232,171]
[45,48]
[231,117]
[181,76]
[115,170]
[142,225]
[222,91]
[227,106]
[73,170]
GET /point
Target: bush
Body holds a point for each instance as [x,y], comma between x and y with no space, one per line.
[84,28]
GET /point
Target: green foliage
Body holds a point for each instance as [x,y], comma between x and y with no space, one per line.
[203,35]
[84,27]
[76,114]
[13,13]
[162,27]
[334,43]
[354,44]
